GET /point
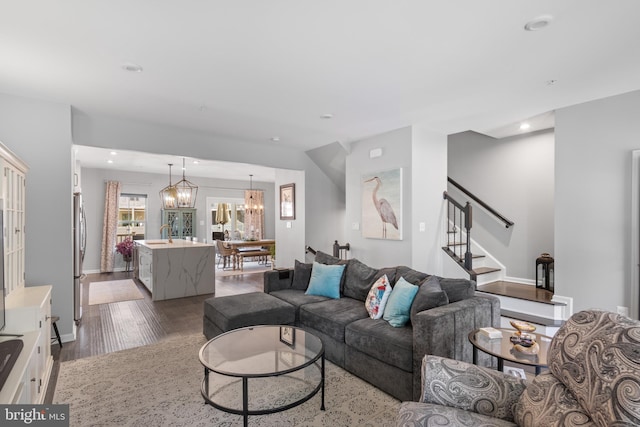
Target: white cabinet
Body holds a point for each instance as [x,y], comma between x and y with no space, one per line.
[21,382]
[28,312]
[145,267]
[12,176]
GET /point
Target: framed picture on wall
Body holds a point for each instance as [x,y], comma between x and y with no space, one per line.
[288,201]
[382,205]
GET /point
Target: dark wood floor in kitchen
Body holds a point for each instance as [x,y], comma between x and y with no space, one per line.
[106,328]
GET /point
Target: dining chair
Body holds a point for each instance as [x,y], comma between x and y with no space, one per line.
[225,254]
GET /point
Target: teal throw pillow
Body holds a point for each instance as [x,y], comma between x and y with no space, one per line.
[325,280]
[398,307]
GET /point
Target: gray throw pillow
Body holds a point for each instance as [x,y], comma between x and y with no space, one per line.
[301,276]
[458,289]
[410,275]
[429,295]
[359,279]
[324,258]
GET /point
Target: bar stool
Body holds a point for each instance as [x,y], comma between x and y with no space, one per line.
[54,319]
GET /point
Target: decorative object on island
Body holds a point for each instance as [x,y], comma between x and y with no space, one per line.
[545,272]
[288,201]
[522,341]
[382,217]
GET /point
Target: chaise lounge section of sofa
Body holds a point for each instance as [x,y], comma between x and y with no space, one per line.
[443,313]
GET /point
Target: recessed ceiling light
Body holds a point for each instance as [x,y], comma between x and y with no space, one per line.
[524,126]
[195,162]
[109,161]
[538,23]
[275,138]
[130,66]
[327,116]
[113,153]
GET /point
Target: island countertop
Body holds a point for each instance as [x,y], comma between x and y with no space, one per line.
[177,243]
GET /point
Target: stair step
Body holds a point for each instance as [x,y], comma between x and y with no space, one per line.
[485,270]
[519,291]
[545,321]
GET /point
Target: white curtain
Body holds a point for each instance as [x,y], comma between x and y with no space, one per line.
[254,214]
[110,226]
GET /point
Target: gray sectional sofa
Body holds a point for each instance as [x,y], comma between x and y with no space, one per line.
[388,357]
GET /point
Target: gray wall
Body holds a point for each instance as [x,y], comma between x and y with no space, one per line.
[422,156]
[39,132]
[93,190]
[429,165]
[323,202]
[593,200]
[396,153]
[515,176]
[42,133]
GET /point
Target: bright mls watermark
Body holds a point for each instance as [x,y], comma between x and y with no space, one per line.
[34,415]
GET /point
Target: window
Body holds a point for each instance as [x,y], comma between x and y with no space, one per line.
[236,219]
[131,216]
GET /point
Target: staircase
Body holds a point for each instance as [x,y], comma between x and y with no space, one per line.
[518,300]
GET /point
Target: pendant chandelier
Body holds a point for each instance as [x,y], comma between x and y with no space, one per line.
[169,194]
[251,204]
[182,194]
[187,191]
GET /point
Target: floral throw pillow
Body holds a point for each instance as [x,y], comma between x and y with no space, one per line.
[377,297]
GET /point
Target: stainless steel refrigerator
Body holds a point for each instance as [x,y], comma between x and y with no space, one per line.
[79,245]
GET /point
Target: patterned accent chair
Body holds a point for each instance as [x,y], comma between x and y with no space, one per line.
[593,380]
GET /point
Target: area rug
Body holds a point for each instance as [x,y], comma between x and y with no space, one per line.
[113,291]
[159,385]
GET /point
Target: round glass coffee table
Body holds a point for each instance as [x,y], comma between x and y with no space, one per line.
[285,365]
[503,349]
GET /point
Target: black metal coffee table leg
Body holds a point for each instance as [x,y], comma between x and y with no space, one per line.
[245,400]
[322,374]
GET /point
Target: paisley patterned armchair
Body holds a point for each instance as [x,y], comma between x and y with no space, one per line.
[593,380]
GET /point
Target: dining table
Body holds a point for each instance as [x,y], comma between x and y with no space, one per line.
[239,245]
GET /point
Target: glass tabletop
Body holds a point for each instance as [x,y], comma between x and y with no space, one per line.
[503,348]
[259,351]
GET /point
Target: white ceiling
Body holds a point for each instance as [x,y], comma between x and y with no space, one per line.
[257,69]
[135,161]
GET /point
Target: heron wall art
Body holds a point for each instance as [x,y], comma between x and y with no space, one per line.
[382,205]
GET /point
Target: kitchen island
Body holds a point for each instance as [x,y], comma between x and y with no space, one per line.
[175,270]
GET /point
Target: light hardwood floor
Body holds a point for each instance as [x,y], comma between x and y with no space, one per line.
[106,328]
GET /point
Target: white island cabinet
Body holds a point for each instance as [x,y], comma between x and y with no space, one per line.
[176,270]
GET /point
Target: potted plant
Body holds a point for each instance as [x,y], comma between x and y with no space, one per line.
[272,254]
[125,248]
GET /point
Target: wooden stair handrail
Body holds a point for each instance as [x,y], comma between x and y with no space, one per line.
[489,209]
